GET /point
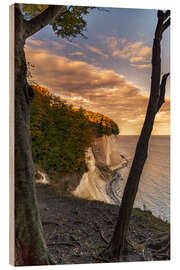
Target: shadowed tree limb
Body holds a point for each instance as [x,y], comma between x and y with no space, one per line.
[43,19]
[162,23]
[166,25]
[167,14]
[162,91]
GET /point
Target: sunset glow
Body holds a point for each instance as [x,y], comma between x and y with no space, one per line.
[110,72]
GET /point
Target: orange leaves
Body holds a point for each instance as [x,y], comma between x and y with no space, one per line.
[61,134]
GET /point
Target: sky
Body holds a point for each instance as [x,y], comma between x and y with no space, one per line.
[110,71]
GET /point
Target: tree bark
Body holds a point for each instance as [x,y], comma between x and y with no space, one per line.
[37,23]
[118,243]
[30,246]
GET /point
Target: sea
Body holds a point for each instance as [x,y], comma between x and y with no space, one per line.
[154,187]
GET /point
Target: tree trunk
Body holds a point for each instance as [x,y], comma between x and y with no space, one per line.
[118,243]
[30,247]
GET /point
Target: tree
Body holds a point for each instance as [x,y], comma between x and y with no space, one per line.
[30,246]
[118,242]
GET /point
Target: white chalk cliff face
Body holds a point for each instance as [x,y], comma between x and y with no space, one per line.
[107,151]
[104,152]
[91,186]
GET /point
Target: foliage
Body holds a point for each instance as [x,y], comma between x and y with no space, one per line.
[61,133]
[73,22]
[69,25]
[32,10]
[104,125]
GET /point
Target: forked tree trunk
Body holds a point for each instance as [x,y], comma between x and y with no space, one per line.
[30,246]
[118,243]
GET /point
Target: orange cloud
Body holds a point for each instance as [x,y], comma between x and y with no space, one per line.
[141,66]
[96,89]
[97,51]
[134,52]
[78,54]
[44,43]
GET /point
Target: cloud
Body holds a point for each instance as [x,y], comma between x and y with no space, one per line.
[96,89]
[78,54]
[135,59]
[74,99]
[97,51]
[134,52]
[34,43]
[141,66]
[71,43]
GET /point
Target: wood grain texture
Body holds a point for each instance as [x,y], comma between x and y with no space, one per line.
[11,135]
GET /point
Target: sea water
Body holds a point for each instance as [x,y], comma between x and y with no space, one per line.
[154,187]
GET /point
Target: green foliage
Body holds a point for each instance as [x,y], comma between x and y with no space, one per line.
[61,134]
[72,24]
[32,10]
[69,25]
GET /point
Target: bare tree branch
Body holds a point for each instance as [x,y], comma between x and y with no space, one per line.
[162,91]
[44,19]
[167,14]
[166,25]
[162,24]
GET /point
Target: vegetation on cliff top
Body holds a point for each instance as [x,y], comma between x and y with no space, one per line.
[61,133]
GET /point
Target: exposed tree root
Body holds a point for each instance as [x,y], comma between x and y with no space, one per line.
[102,236]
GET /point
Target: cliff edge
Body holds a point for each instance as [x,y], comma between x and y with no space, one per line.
[102,158]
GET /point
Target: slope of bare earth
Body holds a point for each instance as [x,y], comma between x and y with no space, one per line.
[78,230]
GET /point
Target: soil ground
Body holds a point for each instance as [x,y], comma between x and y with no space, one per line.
[77,231]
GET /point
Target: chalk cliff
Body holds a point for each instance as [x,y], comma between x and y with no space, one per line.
[101,159]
